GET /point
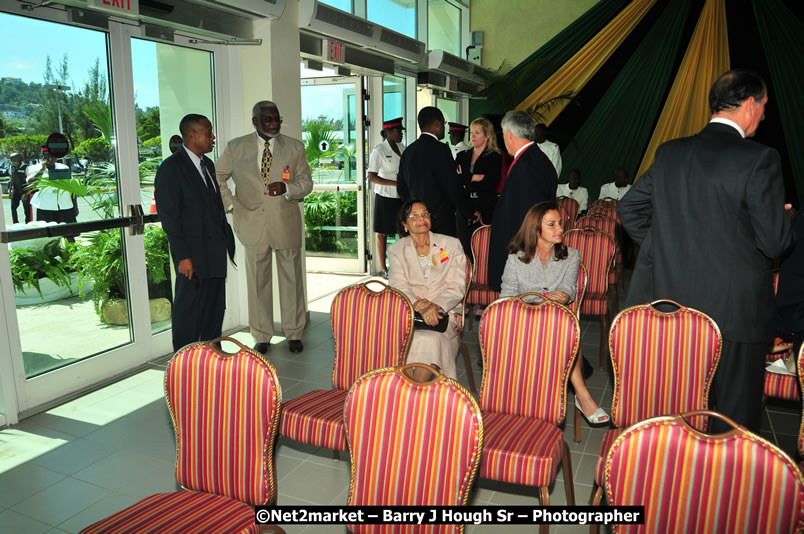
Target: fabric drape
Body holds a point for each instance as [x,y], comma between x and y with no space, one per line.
[686,110]
[616,132]
[574,74]
[782,36]
[522,79]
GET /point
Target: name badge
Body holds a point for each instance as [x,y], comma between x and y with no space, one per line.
[286,174]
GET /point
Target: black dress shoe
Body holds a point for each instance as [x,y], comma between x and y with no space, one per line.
[295,345]
[262,348]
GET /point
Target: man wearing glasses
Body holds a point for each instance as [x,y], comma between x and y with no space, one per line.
[271,178]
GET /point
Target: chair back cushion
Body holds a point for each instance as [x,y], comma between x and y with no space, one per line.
[225,410]
[604,209]
[600,222]
[800,367]
[570,207]
[372,330]
[480,250]
[692,482]
[411,443]
[528,351]
[663,363]
[597,251]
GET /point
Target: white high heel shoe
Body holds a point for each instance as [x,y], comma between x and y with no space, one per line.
[597,418]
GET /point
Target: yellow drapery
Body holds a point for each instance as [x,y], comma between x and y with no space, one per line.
[580,68]
[686,110]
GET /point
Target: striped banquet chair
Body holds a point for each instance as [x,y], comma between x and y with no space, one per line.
[480,294]
[663,363]
[372,330]
[461,320]
[413,443]
[574,307]
[597,251]
[528,352]
[570,207]
[610,227]
[693,482]
[780,386]
[605,209]
[225,410]
[800,368]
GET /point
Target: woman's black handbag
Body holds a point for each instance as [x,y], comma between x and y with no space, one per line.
[418,322]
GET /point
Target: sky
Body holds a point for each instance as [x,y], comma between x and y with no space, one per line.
[24,57]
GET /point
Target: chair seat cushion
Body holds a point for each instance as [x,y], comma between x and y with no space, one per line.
[520,450]
[779,386]
[316,418]
[605,445]
[180,511]
[482,295]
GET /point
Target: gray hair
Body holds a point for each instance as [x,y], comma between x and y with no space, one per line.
[520,124]
[263,104]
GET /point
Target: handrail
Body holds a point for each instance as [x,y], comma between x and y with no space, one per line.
[72,229]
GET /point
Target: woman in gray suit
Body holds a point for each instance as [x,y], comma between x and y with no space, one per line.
[539,262]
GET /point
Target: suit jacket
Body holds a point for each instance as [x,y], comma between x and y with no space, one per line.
[710,216]
[427,173]
[482,194]
[192,216]
[532,179]
[447,283]
[259,218]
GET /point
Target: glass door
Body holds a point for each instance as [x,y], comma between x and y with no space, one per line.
[86,284]
[334,138]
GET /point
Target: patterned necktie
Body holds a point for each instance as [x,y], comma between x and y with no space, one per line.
[265,166]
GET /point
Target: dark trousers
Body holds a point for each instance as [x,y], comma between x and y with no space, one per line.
[26,208]
[198,307]
[738,385]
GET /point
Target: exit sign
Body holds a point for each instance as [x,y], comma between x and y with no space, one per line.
[119,7]
[334,51]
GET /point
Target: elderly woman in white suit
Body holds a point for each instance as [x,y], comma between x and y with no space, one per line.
[431,270]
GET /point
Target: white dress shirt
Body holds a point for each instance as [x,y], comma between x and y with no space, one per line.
[731,123]
[552,151]
[385,162]
[197,162]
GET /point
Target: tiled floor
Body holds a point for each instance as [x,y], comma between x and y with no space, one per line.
[66,468]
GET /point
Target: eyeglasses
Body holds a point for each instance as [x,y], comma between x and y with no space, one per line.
[416,216]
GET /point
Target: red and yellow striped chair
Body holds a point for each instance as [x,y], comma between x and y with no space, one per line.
[693,482]
[225,409]
[570,207]
[800,368]
[605,209]
[575,306]
[411,442]
[480,294]
[372,330]
[610,227]
[461,320]
[597,251]
[605,203]
[779,386]
[663,363]
[528,352]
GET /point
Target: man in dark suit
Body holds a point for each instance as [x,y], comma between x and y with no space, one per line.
[189,205]
[710,216]
[427,173]
[531,179]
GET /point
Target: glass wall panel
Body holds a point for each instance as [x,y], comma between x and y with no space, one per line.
[169,82]
[444,27]
[393,97]
[398,15]
[449,108]
[70,292]
[343,5]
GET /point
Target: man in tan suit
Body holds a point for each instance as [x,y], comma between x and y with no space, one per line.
[271,177]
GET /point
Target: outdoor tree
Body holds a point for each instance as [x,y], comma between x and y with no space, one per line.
[46,119]
[148,123]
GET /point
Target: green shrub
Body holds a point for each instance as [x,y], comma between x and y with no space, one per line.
[30,146]
[54,261]
[94,149]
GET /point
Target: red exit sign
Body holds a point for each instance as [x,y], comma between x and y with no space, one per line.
[334,51]
[120,7]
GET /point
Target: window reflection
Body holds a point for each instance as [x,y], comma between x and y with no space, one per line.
[398,15]
[444,27]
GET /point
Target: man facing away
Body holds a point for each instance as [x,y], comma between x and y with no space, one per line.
[531,179]
[191,212]
[710,216]
[271,177]
[427,173]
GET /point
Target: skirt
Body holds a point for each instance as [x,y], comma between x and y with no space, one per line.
[385,214]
